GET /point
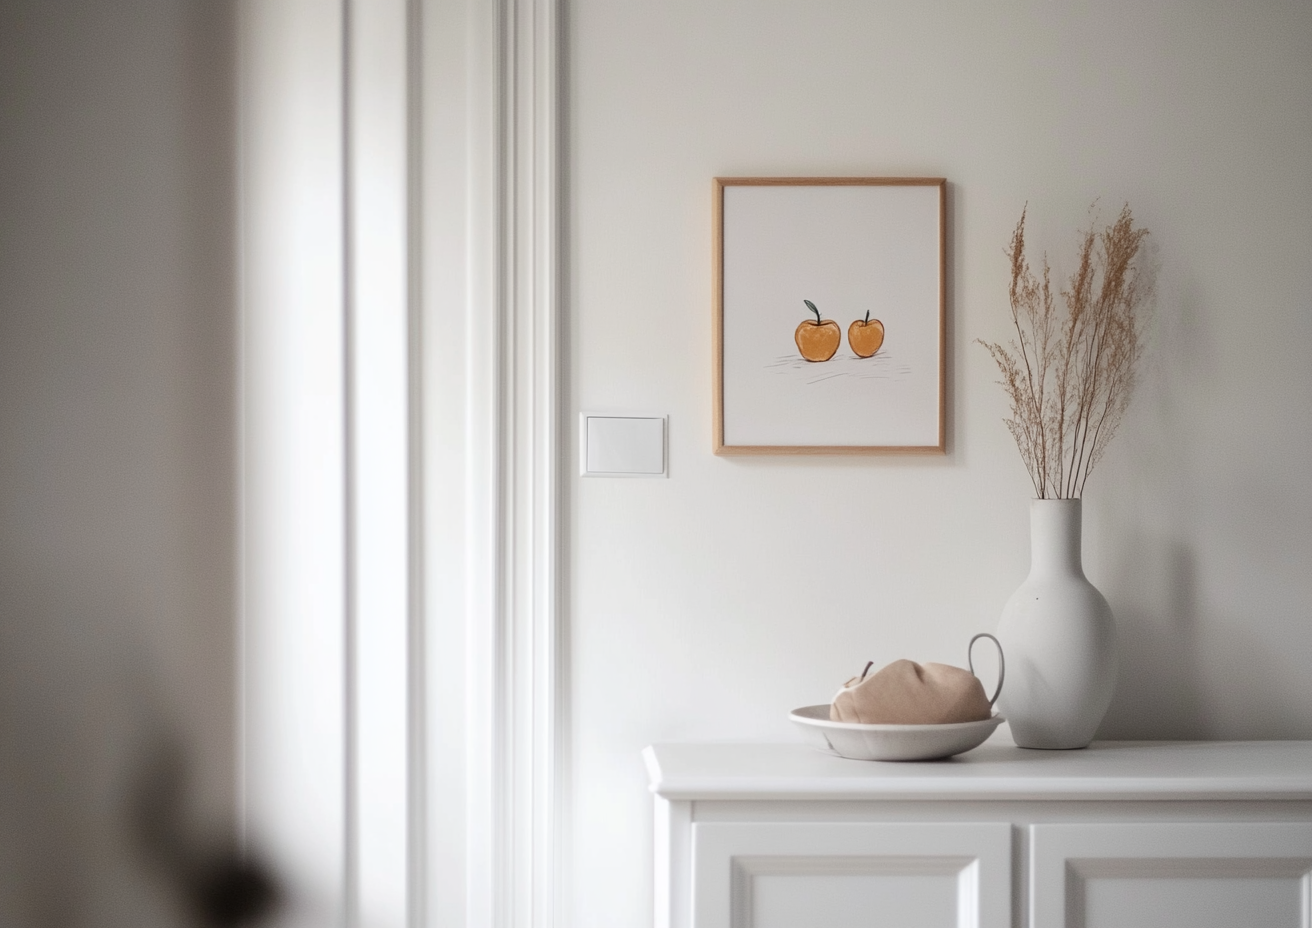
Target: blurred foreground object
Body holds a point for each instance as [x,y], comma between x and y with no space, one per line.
[217,884]
[101,824]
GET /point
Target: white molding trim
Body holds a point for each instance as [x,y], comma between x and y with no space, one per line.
[531,678]
[294,766]
[491,390]
[401,445]
[384,685]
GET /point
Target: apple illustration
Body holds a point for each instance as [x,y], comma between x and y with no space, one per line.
[817,340]
[865,336]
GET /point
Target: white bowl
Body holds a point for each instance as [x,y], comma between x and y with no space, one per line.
[890,742]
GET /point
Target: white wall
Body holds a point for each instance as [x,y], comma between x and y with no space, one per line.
[117,455]
[688,620]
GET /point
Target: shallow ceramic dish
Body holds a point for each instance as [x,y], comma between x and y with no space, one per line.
[890,742]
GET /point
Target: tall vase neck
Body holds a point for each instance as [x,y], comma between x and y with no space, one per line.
[1055,535]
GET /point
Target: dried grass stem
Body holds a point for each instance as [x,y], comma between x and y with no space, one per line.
[1069,374]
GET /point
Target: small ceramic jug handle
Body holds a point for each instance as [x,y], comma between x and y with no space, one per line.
[1002,662]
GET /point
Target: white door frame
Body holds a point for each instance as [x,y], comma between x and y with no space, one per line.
[400,448]
[491,298]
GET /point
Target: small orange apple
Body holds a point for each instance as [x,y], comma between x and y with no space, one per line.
[865,336]
[817,341]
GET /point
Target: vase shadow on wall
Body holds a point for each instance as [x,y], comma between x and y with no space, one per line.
[1185,670]
[1159,688]
[1172,684]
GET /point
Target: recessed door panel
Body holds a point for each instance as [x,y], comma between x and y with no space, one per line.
[1215,875]
[842,875]
[798,892]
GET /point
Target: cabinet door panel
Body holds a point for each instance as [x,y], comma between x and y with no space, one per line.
[836,875]
[1215,875]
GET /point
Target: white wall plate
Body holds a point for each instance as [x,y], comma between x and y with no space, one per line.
[622,445]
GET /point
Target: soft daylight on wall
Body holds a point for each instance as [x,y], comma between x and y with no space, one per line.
[707,605]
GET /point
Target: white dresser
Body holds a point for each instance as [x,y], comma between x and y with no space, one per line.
[1120,835]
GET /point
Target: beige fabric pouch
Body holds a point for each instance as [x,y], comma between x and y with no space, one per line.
[907,693]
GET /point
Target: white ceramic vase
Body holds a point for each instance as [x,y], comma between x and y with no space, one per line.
[1059,637]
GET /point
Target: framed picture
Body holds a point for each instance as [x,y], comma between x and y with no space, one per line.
[829,315]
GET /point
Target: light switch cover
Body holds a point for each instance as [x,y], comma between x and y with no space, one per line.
[619,445]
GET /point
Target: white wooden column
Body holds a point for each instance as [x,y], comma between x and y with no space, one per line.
[490,221]
[400,480]
[294,631]
[385,616]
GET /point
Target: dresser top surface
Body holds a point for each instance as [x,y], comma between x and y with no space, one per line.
[1170,770]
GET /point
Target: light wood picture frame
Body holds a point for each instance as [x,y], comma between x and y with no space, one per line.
[830,314]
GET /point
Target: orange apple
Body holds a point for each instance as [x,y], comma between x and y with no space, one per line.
[817,341]
[865,336]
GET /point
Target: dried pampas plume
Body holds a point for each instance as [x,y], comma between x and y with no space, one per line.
[1069,373]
